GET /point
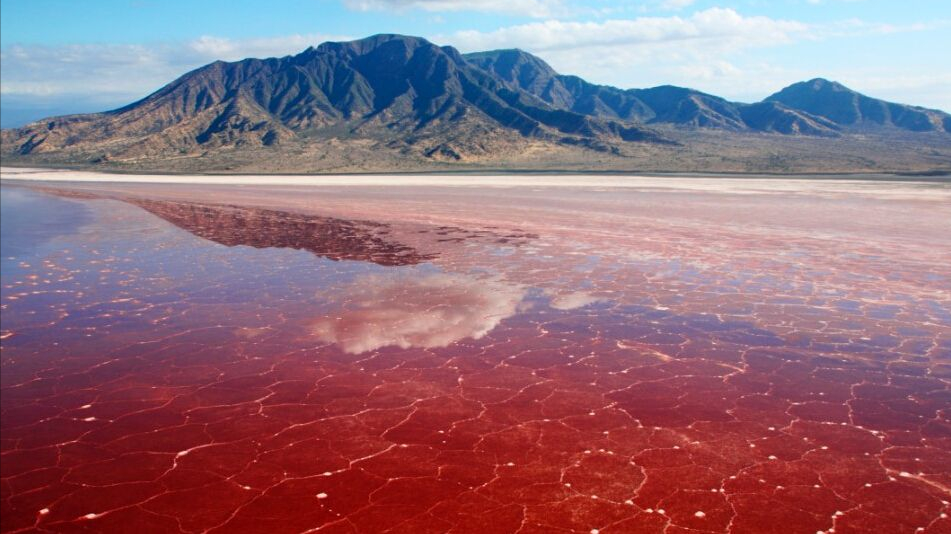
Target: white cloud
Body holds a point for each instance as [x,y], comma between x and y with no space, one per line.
[421,311]
[675,4]
[571,301]
[717,27]
[530,8]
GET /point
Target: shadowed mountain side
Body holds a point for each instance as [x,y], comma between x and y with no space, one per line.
[775,117]
[846,107]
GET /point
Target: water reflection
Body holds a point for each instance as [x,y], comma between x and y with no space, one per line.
[423,311]
[572,300]
[30,221]
[335,239]
[230,225]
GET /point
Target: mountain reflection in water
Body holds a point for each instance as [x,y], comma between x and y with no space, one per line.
[328,237]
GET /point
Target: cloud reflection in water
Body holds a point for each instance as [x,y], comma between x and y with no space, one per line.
[572,300]
[424,311]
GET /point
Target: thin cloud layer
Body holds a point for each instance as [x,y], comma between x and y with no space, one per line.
[528,8]
[128,69]
[427,312]
[722,28]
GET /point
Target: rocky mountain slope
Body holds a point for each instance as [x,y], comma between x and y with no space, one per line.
[389,101]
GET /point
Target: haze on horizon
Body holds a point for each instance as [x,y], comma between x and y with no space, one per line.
[59,57]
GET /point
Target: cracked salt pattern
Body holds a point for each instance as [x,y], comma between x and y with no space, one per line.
[660,365]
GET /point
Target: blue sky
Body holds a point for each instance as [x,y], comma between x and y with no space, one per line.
[61,56]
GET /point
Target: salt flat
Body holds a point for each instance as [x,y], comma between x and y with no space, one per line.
[881,185]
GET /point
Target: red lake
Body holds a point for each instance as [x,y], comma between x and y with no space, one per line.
[596,355]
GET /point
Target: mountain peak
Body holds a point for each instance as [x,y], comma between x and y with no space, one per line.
[818,84]
[838,103]
[368,44]
[513,65]
[511,55]
[521,71]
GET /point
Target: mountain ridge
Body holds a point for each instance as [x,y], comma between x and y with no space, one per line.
[681,105]
[405,98]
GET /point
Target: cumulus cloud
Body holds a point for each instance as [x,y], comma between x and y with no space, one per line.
[427,311]
[530,8]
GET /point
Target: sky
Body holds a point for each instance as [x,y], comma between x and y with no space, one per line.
[67,56]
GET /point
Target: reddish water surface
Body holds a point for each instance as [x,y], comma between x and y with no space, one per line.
[420,359]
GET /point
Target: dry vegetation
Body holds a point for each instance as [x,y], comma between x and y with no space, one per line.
[699,150]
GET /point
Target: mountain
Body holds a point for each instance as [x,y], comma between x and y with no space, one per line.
[846,107]
[397,102]
[667,104]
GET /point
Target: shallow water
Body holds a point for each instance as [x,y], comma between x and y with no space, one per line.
[431,360]
[28,222]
